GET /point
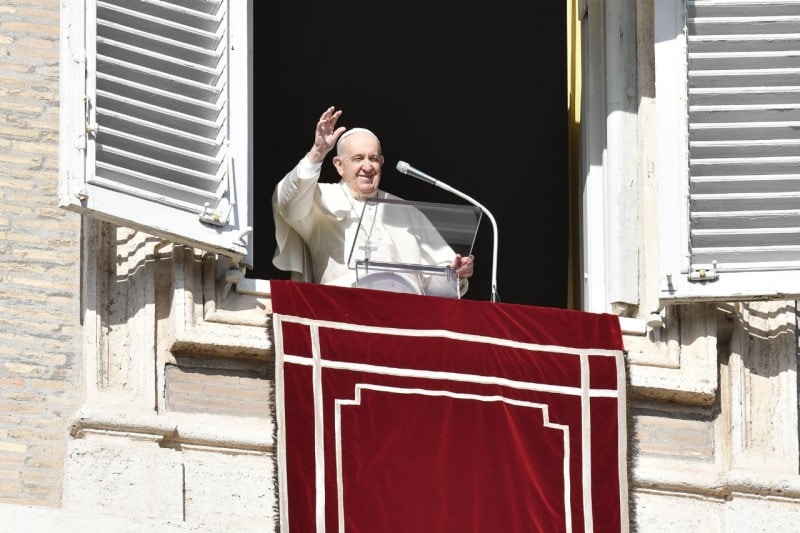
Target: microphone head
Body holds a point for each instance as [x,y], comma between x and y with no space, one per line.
[402,166]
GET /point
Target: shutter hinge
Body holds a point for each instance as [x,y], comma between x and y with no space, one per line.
[80,140]
[704,272]
[90,127]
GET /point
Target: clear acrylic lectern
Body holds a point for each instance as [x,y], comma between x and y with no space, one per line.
[405,246]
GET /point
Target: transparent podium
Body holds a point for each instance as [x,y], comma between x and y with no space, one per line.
[405,246]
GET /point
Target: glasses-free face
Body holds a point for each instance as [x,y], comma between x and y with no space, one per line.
[360,163]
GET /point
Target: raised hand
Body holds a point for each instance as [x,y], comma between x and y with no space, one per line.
[326,135]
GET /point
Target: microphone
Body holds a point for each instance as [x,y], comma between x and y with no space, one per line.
[405,168]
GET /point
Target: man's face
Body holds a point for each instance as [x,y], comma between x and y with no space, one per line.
[360,163]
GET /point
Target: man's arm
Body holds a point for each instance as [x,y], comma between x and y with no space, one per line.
[293,199]
[294,194]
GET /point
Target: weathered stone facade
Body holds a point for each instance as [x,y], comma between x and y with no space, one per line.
[40,326]
[135,381]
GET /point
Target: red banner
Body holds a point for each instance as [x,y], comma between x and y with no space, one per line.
[405,413]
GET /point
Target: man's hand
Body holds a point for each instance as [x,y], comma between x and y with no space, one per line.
[463,266]
[326,135]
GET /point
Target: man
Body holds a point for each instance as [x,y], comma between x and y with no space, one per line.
[317,224]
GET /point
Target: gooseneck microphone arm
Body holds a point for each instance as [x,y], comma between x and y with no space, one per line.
[405,168]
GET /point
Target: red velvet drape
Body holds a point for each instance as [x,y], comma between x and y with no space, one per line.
[404,413]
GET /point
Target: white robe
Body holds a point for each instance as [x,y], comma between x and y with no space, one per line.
[316,225]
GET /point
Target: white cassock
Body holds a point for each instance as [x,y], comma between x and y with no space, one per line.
[317,224]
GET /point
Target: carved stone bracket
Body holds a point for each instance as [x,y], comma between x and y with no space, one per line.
[676,361]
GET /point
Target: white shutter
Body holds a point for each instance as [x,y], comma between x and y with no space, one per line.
[156,128]
[743,152]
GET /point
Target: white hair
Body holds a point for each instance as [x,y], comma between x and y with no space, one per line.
[349,132]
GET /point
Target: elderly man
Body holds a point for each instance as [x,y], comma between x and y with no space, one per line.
[317,224]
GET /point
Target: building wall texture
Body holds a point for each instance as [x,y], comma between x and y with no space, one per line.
[165,425]
[40,332]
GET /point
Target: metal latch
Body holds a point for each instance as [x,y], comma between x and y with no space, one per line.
[704,272]
[218,217]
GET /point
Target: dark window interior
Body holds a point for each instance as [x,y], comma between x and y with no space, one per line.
[471,92]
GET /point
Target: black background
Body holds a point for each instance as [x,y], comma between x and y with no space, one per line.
[471,92]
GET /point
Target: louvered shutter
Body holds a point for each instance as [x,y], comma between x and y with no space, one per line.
[165,119]
[744,150]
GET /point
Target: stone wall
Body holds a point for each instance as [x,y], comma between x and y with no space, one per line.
[161,420]
[40,332]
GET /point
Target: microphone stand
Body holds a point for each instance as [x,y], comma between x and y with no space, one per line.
[405,168]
